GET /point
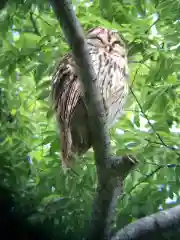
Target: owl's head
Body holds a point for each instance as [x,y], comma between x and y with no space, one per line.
[108,40]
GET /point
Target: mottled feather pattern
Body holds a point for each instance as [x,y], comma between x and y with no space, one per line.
[109,60]
[108,69]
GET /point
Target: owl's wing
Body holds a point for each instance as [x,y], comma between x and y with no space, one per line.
[65,95]
[65,88]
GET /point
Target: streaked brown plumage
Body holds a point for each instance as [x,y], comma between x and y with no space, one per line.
[109,59]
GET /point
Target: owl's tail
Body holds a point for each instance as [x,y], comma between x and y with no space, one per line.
[75,136]
[66,147]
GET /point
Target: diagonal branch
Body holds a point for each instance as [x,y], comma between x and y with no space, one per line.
[75,38]
[111,171]
[155,226]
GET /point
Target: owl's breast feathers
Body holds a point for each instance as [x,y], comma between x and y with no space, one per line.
[112,81]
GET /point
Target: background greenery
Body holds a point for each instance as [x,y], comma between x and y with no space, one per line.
[31,43]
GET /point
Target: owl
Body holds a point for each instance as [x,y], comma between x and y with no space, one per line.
[109,58]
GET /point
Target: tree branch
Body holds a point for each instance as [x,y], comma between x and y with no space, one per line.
[111,171]
[75,37]
[108,191]
[154,226]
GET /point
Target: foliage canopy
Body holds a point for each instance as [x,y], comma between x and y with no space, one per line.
[31,44]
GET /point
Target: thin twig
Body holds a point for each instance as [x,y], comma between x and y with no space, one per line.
[151,125]
[153,24]
[36,30]
[143,180]
[173,165]
[137,70]
[159,143]
[38,16]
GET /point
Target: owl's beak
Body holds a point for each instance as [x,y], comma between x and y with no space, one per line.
[108,48]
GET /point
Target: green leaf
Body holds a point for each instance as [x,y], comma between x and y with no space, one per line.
[39,72]
[43,95]
[106,8]
[43,85]
[30,145]
[28,40]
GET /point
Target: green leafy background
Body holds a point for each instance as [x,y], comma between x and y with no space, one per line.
[31,44]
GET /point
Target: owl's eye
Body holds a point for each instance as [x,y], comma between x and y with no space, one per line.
[117,42]
[99,39]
